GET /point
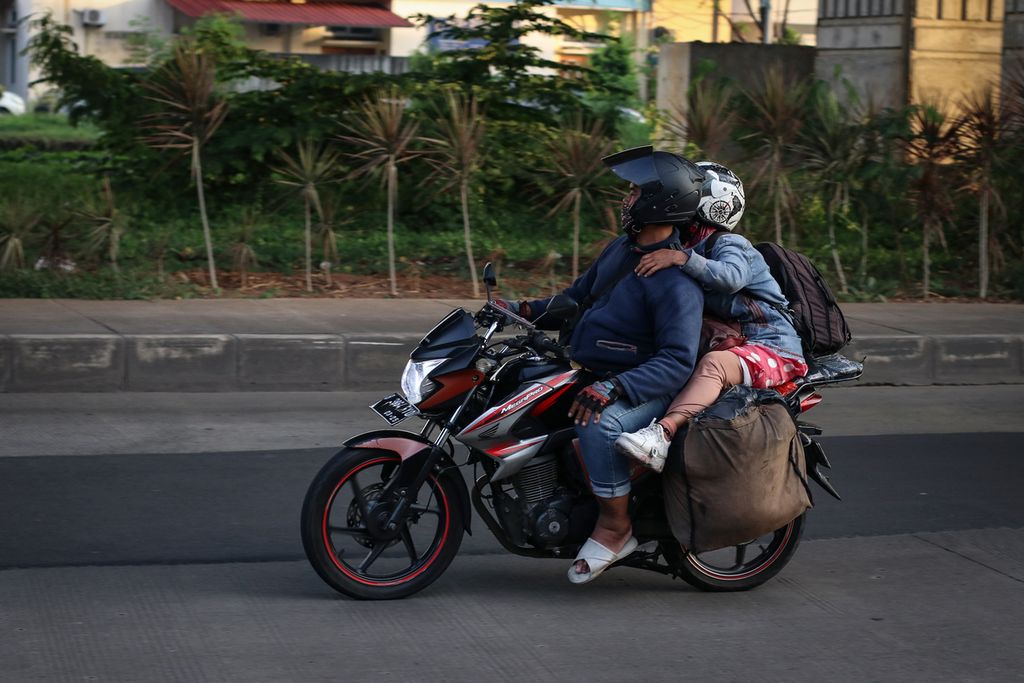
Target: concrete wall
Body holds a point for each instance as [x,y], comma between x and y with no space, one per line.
[947,49]
[956,47]
[868,52]
[743,63]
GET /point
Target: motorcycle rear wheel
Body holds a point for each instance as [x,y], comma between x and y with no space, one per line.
[345,552]
[729,569]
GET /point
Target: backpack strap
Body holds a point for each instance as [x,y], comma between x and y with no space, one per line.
[628,266]
[712,240]
[709,245]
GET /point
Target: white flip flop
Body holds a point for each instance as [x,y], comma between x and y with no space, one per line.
[598,558]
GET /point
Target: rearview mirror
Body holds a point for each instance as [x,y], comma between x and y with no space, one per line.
[562,307]
[489,279]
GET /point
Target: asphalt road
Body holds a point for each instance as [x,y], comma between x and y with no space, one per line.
[135,565]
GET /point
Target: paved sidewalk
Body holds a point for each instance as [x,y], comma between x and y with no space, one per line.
[321,344]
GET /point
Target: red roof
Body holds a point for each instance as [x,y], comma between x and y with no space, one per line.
[310,13]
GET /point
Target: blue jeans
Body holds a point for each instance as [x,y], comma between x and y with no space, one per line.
[609,469]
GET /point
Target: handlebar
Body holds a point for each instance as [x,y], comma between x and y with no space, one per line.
[539,341]
[497,317]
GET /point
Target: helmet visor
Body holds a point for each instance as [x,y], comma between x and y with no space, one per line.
[635,165]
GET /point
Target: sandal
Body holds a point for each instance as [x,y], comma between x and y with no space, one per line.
[598,558]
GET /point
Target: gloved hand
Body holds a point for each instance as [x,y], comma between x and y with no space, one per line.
[507,305]
[520,309]
[594,399]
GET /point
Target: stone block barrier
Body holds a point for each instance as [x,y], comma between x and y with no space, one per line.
[324,362]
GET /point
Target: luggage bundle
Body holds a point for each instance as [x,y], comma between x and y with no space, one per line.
[740,473]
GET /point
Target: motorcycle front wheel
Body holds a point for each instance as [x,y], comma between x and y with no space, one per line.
[349,556]
[741,567]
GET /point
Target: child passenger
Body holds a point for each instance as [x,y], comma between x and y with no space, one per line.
[737,286]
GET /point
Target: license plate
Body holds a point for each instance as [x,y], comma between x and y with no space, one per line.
[393,409]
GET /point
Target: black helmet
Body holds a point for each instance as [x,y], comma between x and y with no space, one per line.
[669,186]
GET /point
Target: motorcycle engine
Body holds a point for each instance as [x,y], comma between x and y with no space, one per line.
[552,517]
[549,521]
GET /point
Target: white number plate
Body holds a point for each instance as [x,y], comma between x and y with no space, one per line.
[393,409]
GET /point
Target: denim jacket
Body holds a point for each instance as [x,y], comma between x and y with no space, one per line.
[738,286]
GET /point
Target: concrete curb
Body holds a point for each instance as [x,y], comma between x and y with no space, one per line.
[323,362]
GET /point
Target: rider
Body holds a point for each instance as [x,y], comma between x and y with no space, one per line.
[638,338]
[737,286]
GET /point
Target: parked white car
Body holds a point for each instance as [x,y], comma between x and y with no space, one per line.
[11,103]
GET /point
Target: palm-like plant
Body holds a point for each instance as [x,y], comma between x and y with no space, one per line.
[985,126]
[18,221]
[382,137]
[833,149]
[189,111]
[575,154]
[457,156]
[243,255]
[327,232]
[773,118]
[705,122]
[931,143]
[107,226]
[312,166]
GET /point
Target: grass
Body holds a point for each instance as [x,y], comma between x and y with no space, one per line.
[46,127]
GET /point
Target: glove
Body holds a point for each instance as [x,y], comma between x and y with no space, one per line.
[507,305]
[521,309]
[594,399]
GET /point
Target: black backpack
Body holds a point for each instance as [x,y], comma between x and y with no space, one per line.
[813,309]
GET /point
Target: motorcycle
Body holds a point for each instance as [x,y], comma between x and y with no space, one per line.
[385,516]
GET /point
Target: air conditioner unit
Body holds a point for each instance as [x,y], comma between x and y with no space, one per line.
[94,17]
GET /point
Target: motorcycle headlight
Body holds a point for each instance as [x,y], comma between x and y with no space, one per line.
[415,384]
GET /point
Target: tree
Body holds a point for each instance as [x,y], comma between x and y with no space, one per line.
[705,122]
[457,156]
[508,74]
[773,118]
[832,147]
[18,222]
[576,154]
[382,137]
[930,145]
[985,126]
[312,166]
[189,111]
[108,226]
[243,255]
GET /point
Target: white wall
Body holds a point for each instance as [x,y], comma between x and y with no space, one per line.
[105,42]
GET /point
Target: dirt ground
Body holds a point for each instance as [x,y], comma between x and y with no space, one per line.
[343,285]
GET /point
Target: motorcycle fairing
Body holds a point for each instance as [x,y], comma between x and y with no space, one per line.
[414,449]
[526,396]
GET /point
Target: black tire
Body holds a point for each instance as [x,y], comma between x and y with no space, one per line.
[385,576]
[707,572]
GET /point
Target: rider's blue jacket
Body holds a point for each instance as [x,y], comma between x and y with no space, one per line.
[645,330]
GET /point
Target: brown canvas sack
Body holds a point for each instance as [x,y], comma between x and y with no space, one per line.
[740,473]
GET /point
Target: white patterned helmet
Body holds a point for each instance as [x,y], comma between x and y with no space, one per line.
[721,197]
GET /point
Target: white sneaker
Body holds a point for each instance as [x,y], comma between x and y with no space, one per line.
[648,445]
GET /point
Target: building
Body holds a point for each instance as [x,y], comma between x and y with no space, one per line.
[793,22]
[897,52]
[354,35]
